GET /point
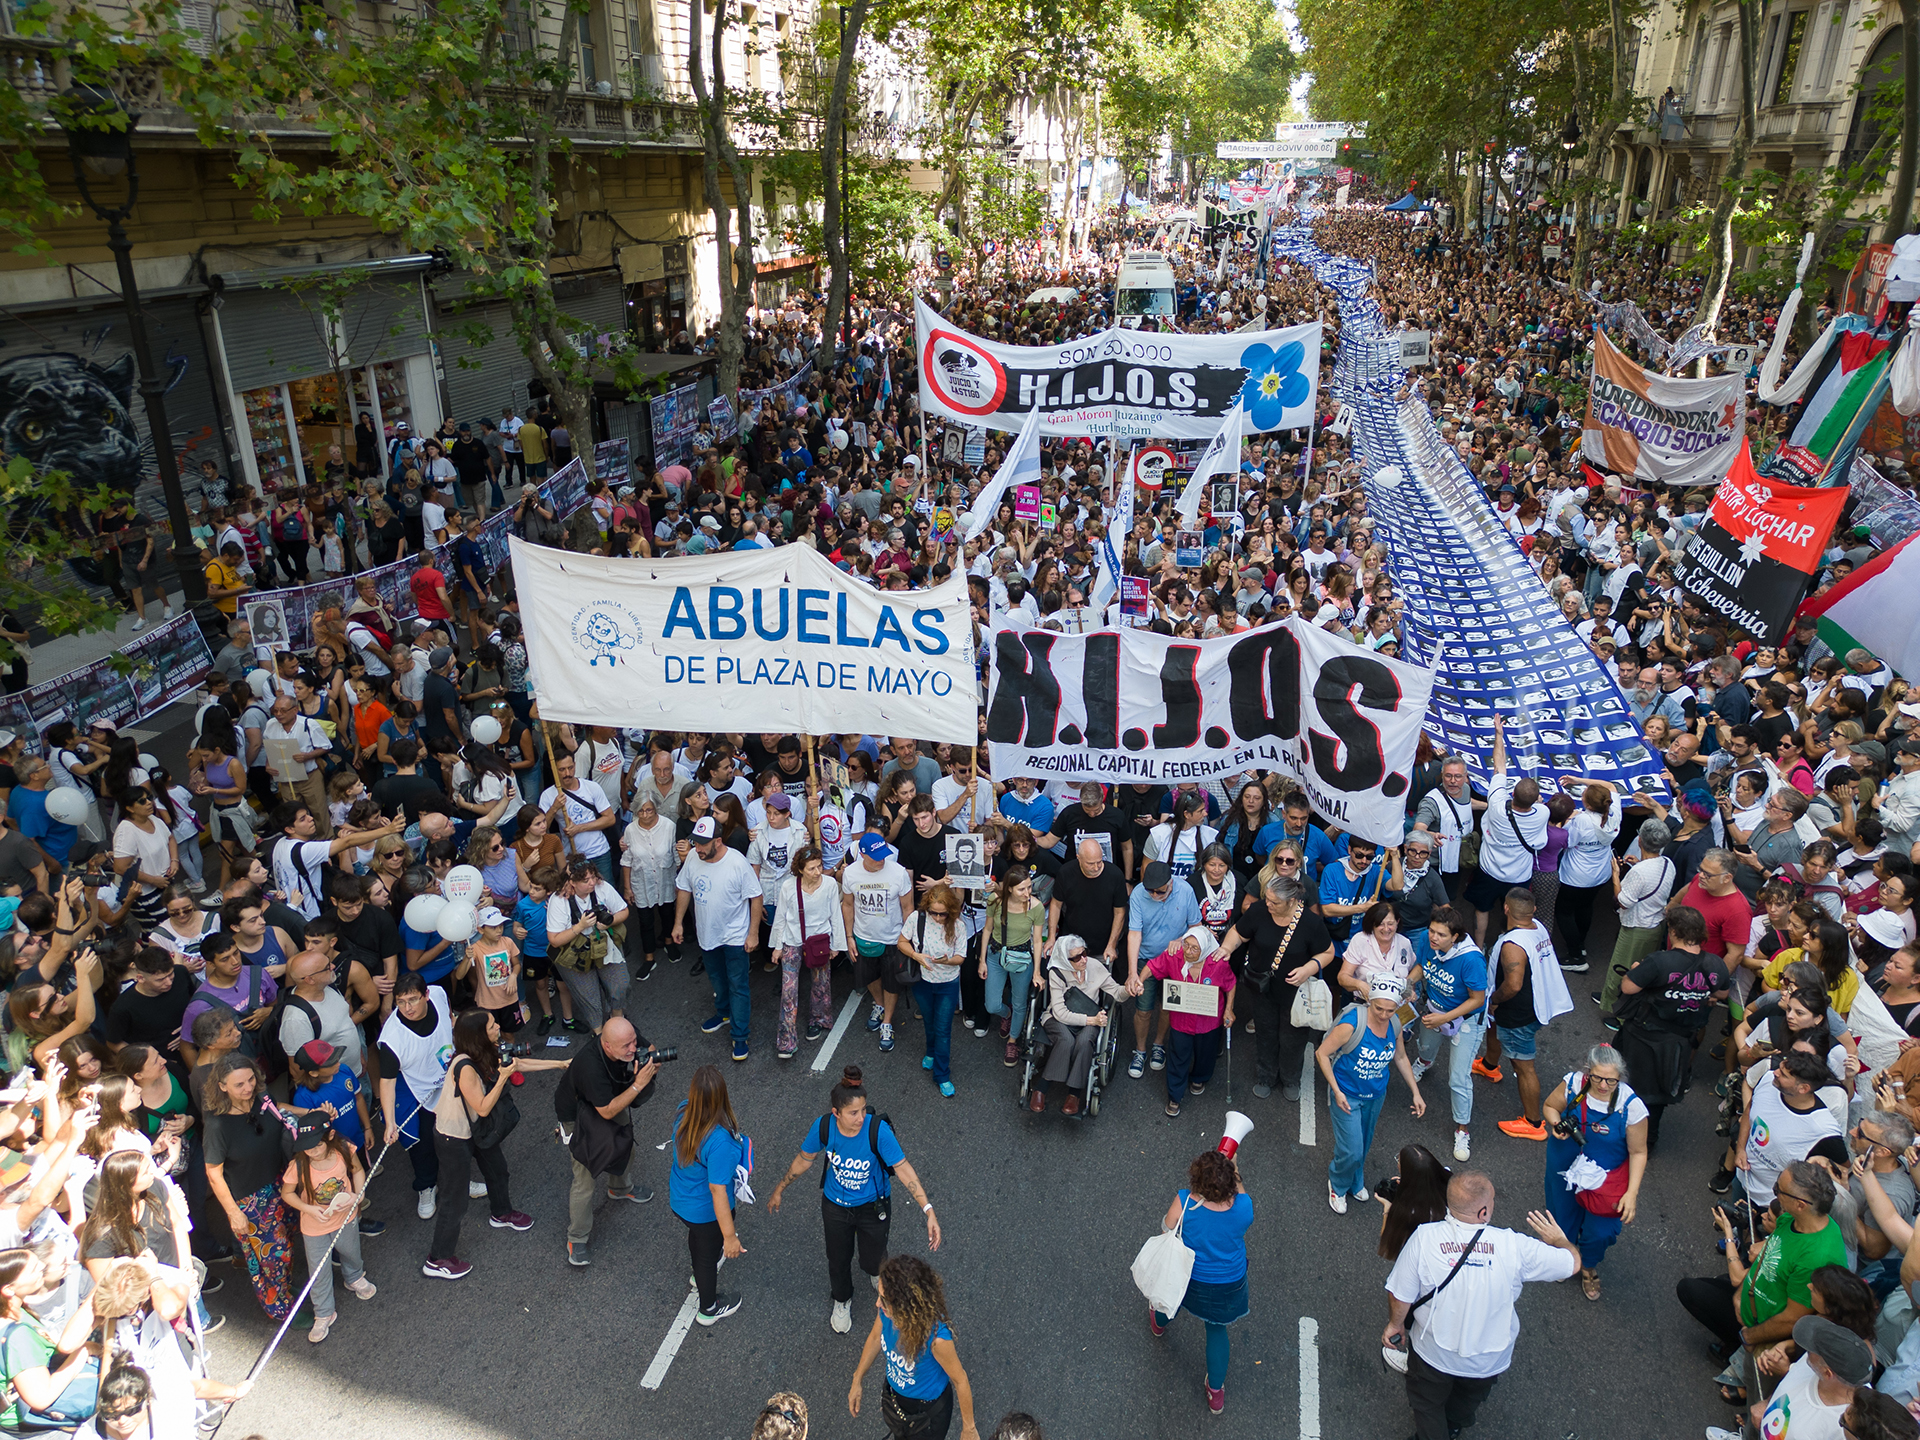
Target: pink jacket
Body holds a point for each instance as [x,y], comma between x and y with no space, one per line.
[1171,964]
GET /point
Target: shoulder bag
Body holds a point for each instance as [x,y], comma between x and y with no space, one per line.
[815,950]
[1164,1266]
[489,1130]
[902,970]
[1397,1359]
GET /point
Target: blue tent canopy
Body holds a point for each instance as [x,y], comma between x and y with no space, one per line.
[1408,201]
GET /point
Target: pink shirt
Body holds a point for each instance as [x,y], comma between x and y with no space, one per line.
[1171,964]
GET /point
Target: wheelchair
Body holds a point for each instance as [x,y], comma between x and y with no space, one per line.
[1037,1045]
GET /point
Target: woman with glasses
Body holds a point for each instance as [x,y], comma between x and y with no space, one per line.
[185,928]
[935,939]
[145,846]
[1596,1114]
[487,852]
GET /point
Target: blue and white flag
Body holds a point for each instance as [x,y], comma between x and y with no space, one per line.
[1113,543]
[1021,467]
[1220,460]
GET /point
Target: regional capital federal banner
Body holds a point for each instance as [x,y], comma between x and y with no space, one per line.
[745,640]
[1124,383]
[1123,706]
[1759,548]
[1658,429]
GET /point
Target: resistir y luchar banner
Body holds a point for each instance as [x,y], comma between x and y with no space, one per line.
[1128,705]
[1126,383]
[744,640]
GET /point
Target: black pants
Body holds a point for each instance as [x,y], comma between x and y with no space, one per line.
[1576,918]
[1442,1403]
[653,924]
[705,1246]
[1277,1042]
[916,1419]
[845,1225]
[422,1155]
[1710,1301]
[458,1160]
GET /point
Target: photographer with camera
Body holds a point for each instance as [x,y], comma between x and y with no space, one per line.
[586,936]
[594,1103]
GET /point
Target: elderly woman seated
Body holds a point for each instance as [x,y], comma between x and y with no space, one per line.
[1075,1019]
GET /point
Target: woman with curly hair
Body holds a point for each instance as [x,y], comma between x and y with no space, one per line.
[1213,1213]
[924,1376]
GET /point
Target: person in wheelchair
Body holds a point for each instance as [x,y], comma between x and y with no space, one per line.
[1076,1019]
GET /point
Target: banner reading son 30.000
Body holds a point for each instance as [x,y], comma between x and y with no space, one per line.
[1124,706]
[746,640]
[1119,382]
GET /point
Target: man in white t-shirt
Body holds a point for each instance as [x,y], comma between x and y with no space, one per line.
[1454,1286]
[587,819]
[583,907]
[1818,1388]
[295,749]
[1786,1119]
[300,860]
[727,900]
[876,895]
[1512,832]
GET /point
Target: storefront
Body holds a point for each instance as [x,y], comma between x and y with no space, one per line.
[489,376]
[300,380]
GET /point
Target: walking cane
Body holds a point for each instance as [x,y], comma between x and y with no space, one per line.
[1229,1067]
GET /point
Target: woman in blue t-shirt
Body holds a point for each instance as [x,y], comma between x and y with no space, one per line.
[1363,1044]
[1213,1214]
[1455,978]
[855,1199]
[707,1149]
[924,1376]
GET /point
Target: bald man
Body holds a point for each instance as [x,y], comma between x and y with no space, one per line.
[594,1102]
[317,1011]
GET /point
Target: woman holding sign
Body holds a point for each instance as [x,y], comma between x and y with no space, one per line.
[1198,1006]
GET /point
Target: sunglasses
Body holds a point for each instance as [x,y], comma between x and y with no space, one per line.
[177,911]
[1286,860]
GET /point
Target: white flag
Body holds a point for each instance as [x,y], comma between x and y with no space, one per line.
[1114,544]
[1021,467]
[1221,458]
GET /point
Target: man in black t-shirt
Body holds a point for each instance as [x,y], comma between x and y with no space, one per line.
[1269,976]
[923,845]
[1090,900]
[602,1079]
[1090,818]
[1680,986]
[367,933]
[149,1011]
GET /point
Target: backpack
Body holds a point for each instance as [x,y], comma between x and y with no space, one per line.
[273,1058]
[321,885]
[1356,1015]
[294,526]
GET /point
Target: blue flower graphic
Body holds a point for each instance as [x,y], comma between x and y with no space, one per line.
[1274,383]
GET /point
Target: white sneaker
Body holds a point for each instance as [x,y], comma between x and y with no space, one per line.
[167,612]
[1336,1202]
[476,1190]
[1718,1432]
[1363,1194]
[364,1288]
[139,625]
[428,1202]
[1462,1148]
[321,1325]
[1420,1068]
[842,1320]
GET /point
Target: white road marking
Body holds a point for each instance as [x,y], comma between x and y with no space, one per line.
[1307,1099]
[670,1347]
[1309,1378]
[847,1013]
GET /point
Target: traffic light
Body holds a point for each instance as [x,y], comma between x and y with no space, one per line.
[1348,152]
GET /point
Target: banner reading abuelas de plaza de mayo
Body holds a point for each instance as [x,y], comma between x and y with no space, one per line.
[1127,705]
[746,640]
[1119,382]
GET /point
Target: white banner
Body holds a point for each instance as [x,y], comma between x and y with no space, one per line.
[1658,428]
[742,640]
[1119,382]
[1317,148]
[1128,705]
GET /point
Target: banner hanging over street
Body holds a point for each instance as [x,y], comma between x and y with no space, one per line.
[744,640]
[1122,706]
[1119,382]
[1657,429]
[1759,548]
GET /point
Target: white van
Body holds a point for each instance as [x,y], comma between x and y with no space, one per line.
[1145,287]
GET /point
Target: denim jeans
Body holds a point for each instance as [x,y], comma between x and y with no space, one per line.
[603,862]
[1352,1138]
[1018,985]
[937,1004]
[727,970]
[1465,1046]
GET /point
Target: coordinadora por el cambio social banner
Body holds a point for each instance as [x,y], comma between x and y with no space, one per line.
[775,639]
[1123,706]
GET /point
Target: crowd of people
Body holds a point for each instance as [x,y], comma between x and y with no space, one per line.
[236,990]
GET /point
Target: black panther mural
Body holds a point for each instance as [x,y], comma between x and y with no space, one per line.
[66,413]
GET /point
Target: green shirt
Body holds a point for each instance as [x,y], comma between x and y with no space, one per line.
[1786,1263]
[24,1346]
[1019,926]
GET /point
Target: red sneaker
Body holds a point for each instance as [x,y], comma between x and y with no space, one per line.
[1523,1129]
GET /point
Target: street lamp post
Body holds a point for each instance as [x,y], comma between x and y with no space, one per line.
[100,144]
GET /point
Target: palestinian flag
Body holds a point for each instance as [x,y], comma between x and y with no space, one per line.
[1845,392]
[1873,608]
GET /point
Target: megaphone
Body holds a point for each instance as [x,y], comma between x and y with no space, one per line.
[1238,1128]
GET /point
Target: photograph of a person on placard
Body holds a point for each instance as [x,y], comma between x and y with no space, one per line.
[966,857]
[269,622]
[953,446]
[1224,496]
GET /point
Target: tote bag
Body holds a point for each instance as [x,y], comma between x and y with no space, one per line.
[1164,1266]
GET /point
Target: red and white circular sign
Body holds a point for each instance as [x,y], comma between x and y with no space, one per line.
[960,371]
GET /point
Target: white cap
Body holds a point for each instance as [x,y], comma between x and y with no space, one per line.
[490,916]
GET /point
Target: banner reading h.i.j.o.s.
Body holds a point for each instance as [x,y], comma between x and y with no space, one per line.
[767,640]
[1130,706]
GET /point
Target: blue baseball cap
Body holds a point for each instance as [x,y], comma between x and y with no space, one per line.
[875,847]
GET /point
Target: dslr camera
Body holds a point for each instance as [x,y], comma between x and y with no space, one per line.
[603,915]
[511,1050]
[658,1055]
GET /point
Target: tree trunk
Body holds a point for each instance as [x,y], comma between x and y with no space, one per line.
[832,144]
[1720,231]
[734,262]
[1600,131]
[1900,213]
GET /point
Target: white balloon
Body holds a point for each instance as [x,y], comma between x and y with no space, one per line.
[463,885]
[486,729]
[456,923]
[261,683]
[423,911]
[66,805]
[839,439]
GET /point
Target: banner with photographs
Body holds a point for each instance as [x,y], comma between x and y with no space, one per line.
[1131,706]
[612,460]
[785,398]
[1119,382]
[674,418]
[1757,553]
[143,677]
[1654,428]
[1889,513]
[720,415]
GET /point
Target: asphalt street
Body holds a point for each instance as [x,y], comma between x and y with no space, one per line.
[1042,1216]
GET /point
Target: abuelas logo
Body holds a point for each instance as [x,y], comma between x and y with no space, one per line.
[965,376]
[607,633]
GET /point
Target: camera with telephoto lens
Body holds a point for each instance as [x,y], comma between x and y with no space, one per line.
[511,1050]
[660,1055]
